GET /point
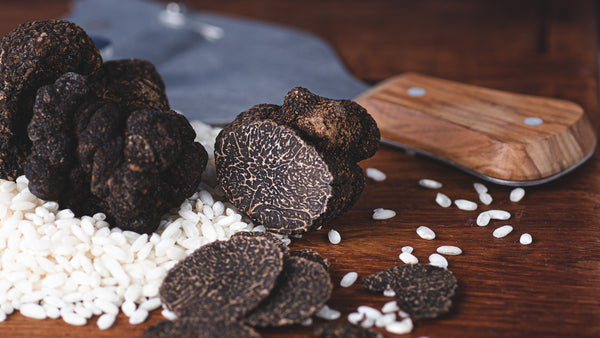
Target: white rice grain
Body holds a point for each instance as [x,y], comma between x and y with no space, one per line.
[138,317]
[407,248]
[382,214]
[502,215]
[376,174]
[480,188]
[106,321]
[449,250]
[334,237]
[486,198]
[389,293]
[525,239]
[348,279]
[391,306]
[385,320]
[443,200]
[34,311]
[463,204]
[517,194]
[402,327]
[438,260]
[168,314]
[483,219]
[502,231]
[429,183]
[328,313]
[369,312]
[425,233]
[408,258]
[355,317]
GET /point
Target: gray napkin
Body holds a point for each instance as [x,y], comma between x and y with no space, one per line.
[214,66]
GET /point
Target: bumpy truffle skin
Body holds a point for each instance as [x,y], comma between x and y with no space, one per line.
[131,84]
[141,167]
[31,56]
[293,167]
[51,133]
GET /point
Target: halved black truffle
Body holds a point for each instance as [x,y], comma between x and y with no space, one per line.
[293,167]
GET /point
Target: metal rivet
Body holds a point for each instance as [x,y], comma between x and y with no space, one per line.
[416,91]
[533,121]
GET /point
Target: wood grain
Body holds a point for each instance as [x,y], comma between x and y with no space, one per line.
[547,48]
[482,130]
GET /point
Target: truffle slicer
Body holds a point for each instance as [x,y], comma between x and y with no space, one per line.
[505,138]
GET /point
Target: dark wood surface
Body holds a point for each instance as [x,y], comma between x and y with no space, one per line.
[550,288]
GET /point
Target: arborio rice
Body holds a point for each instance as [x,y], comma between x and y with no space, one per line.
[53,264]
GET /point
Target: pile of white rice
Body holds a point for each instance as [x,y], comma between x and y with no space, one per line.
[53,264]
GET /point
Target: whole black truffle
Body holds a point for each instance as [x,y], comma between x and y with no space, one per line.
[293,167]
[33,55]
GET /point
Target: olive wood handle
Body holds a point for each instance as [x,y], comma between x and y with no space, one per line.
[501,135]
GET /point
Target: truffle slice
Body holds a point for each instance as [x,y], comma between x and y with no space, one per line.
[222,281]
[345,330]
[293,167]
[33,55]
[311,255]
[302,288]
[422,290]
[191,327]
[266,235]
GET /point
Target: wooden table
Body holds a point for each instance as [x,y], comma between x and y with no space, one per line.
[550,288]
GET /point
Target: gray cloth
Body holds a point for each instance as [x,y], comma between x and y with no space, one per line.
[213,81]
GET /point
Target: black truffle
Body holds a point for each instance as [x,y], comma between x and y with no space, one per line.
[293,167]
[33,55]
[222,281]
[302,288]
[311,255]
[422,290]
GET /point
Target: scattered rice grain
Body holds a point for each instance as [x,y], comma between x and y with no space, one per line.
[486,198]
[402,327]
[334,237]
[463,204]
[517,194]
[425,232]
[391,306]
[525,239]
[348,279]
[449,250]
[355,317]
[480,188]
[443,200]
[429,183]
[502,231]
[438,260]
[381,214]
[408,258]
[106,321]
[376,174]
[407,248]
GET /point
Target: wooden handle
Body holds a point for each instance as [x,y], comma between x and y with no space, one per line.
[500,135]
